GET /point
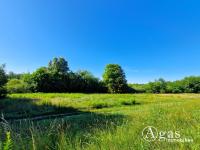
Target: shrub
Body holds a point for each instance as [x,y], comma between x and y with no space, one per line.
[3,80]
[27,78]
[3,92]
[100,105]
[17,86]
[191,84]
[158,86]
[138,88]
[90,83]
[41,80]
[132,102]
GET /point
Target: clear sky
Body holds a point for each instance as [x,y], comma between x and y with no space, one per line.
[148,38]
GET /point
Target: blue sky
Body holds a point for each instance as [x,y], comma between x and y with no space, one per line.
[149,39]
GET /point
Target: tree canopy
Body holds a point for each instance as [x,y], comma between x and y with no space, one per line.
[115,79]
[58,65]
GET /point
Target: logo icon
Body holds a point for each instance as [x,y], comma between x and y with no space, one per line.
[150,133]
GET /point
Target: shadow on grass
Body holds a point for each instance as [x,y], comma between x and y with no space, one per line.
[47,132]
[21,108]
[133,102]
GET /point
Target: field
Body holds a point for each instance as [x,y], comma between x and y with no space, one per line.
[98,121]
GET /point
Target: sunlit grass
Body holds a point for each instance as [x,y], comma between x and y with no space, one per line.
[112,121]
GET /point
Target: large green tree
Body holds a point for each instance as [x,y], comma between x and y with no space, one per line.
[58,66]
[59,73]
[3,80]
[115,79]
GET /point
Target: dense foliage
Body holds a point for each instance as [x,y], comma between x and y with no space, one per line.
[187,85]
[12,75]
[57,77]
[3,80]
[159,86]
[17,86]
[114,78]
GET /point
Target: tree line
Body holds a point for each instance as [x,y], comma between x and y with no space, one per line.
[189,84]
[57,77]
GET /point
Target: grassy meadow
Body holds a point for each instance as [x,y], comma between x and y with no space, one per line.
[97,121]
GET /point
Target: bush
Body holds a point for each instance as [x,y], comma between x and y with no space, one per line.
[3,80]
[41,78]
[175,87]
[3,92]
[137,88]
[90,83]
[17,86]
[100,105]
[132,102]
[27,78]
[191,84]
[158,86]
[187,85]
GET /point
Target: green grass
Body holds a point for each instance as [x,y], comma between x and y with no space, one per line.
[102,121]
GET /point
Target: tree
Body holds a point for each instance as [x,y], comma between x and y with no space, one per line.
[3,80]
[12,75]
[41,79]
[191,84]
[75,82]
[27,78]
[59,73]
[158,86]
[175,86]
[115,79]
[58,66]
[90,83]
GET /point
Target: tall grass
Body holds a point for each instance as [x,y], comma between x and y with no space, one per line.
[117,126]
